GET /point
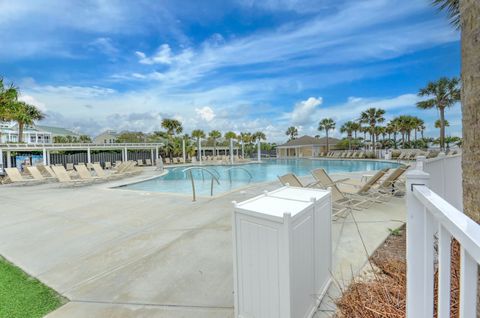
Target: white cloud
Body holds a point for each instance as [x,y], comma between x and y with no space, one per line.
[104,45]
[205,113]
[304,111]
[165,56]
[32,101]
[81,92]
[162,56]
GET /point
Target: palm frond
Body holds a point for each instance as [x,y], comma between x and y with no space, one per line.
[426,104]
[452,7]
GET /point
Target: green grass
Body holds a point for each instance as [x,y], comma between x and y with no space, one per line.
[22,296]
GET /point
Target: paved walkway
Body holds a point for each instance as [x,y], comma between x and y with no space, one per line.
[122,253]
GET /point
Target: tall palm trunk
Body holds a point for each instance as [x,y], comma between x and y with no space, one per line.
[20,131]
[415,134]
[442,128]
[470,15]
[395,140]
[326,132]
[372,134]
[198,149]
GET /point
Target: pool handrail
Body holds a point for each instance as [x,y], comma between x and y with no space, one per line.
[193,181]
[240,168]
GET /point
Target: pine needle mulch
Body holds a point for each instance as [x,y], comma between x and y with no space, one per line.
[383,295]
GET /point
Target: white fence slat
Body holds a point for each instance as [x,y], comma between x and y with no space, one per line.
[415,247]
[434,203]
[446,178]
[444,260]
[428,272]
[468,285]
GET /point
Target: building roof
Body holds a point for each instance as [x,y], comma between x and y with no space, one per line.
[108,132]
[57,130]
[310,141]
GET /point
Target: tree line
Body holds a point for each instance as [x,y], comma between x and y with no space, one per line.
[173,137]
[12,109]
[440,94]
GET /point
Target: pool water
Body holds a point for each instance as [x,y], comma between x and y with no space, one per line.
[177,181]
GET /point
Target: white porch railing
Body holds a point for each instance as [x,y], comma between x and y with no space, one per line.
[446,177]
[431,217]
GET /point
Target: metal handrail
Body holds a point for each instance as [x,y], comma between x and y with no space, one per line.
[239,168]
[193,181]
[216,171]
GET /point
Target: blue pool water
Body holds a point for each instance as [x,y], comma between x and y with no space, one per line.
[177,181]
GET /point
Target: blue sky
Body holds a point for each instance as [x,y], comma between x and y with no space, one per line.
[229,65]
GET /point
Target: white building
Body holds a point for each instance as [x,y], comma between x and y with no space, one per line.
[31,135]
[34,134]
[106,137]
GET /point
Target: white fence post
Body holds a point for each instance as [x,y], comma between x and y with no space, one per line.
[419,291]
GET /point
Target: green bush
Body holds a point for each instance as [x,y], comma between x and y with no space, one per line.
[396,154]
[370,155]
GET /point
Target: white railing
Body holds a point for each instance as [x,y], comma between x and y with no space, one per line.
[432,220]
[80,145]
[446,177]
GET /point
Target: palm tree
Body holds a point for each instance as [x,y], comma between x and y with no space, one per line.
[364,130]
[401,125]
[348,127]
[245,138]
[8,96]
[393,128]
[84,139]
[215,135]
[172,126]
[257,136]
[230,135]
[372,117]
[438,124]
[465,15]
[355,128]
[417,124]
[326,124]
[292,132]
[379,130]
[442,94]
[198,134]
[25,114]
[422,129]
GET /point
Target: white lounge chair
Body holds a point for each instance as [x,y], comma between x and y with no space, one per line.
[15,176]
[64,178]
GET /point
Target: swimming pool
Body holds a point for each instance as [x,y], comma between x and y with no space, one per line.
[231,178]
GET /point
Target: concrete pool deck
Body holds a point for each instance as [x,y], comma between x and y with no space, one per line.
[122,253]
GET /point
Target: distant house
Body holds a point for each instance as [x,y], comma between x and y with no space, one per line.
[306,146]
[57,131]
[34,134]
[106,137]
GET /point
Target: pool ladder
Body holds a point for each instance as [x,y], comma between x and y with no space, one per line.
[214,177]
[238,168]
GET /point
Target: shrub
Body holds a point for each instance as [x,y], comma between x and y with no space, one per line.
[370,155]
[396,154]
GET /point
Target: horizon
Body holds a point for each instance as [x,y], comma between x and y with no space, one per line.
[240,66]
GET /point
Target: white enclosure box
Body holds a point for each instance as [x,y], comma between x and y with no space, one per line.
[282,253]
